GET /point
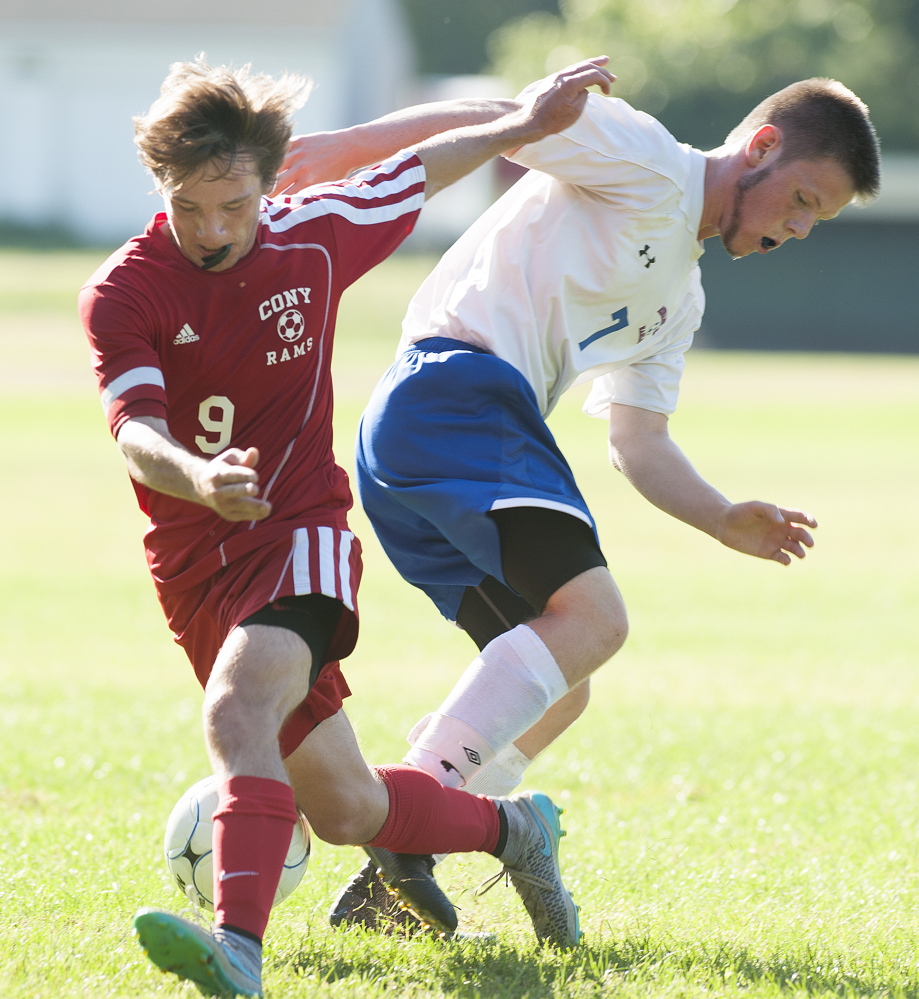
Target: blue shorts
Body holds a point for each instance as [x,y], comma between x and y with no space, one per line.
[450,433]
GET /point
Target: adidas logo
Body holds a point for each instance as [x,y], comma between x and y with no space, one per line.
[186,335]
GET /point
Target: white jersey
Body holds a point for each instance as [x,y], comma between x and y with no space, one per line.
[587,268]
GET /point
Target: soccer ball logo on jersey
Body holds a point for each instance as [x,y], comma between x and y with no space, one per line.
[291,325]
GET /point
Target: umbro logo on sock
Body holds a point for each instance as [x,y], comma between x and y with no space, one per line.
[472,756]
[186,335]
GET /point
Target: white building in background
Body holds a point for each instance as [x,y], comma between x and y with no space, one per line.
[73,72]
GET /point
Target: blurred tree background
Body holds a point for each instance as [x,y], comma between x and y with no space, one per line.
[697,65]
[452,37]
[700,65]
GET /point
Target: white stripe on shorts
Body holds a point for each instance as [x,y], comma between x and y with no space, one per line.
[508,504]
[334,572]
[344,569]
[302,561]
[327,561]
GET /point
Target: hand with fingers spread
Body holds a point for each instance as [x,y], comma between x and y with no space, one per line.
[312,159]
[556,102]
[228,484]
[546,107]
[766,531]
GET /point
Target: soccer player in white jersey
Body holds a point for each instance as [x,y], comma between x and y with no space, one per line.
[212,336]
[586,270]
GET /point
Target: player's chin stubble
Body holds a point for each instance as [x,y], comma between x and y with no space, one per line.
[745,184]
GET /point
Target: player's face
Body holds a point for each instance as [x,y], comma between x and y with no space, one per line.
[783,201]
[214,219]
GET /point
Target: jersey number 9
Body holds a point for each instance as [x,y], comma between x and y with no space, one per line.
[221,424]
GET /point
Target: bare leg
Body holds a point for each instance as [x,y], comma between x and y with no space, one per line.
[507,691]
[556,720]
[260,675]
[584,624]
[342,798]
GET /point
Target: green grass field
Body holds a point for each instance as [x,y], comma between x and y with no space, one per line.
[742,794]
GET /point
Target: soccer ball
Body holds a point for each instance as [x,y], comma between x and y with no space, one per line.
[291,325]
[188,846]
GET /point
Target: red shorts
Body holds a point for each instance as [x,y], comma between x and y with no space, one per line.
[310,560]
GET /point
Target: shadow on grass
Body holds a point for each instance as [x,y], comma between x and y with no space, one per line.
[499,970]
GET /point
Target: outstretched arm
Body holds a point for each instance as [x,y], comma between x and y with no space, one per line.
[326,156]
[547,107]
[228,484]
[641,448]
[451,137]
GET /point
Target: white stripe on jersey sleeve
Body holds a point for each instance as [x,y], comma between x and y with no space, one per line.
[356,214]
[367,213]
[358,186]
[130,379]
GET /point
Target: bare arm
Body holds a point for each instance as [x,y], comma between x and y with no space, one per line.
[228,484]
[452,138]
[325,156]
[641,448]
[545,108]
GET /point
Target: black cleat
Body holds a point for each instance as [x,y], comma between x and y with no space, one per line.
[410,877]
[366,901]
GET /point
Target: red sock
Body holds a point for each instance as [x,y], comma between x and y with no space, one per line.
[252,830]
[425,817]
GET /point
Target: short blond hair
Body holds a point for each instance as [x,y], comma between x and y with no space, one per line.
[217,114]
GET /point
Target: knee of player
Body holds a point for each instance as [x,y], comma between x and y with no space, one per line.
[230,725]
[614,628]
[223,719]
[346,826]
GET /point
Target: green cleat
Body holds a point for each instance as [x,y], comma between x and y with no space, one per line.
[220,964]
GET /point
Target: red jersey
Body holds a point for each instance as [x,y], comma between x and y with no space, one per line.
[241,357]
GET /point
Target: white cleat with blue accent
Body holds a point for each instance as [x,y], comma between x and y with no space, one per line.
[530,861]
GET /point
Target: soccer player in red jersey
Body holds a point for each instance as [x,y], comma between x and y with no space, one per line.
[212,336]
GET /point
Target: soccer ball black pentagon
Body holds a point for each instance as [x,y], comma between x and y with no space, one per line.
[290,325]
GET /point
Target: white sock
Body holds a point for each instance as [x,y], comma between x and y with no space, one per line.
[456,753]
[498,780]
[503,693]
[502,776]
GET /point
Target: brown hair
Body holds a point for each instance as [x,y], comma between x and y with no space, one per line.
[216,114]
[821,119]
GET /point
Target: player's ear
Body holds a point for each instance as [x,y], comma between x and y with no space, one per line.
[764,144]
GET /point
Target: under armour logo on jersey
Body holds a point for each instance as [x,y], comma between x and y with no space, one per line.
[186,335]
[472,756]
[646,252]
